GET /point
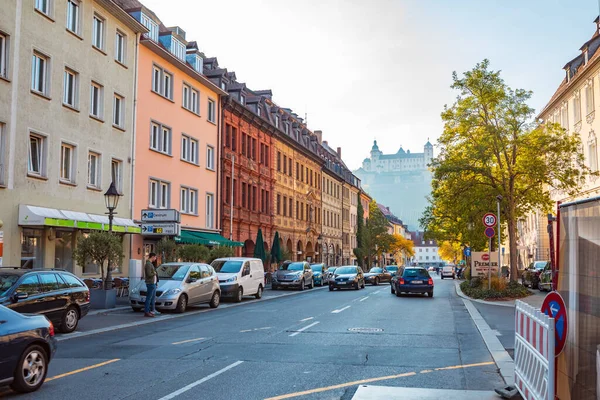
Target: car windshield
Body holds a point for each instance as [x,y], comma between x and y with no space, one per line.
[376,270]
[297,266]
[227,266]
[331,269]
[346,270]
[392,269]
[539,264]
[317,268]
[175,272]
[415,273]
[6,282]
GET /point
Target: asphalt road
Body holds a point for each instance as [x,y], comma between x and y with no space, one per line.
[299,346]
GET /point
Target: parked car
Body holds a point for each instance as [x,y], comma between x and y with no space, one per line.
[392,269]
[294,274]
[58,295]
[350,277]
[545,283]
[412,280]
[180,285]
[318,273]
[531,276]
[377,275]
[27,345]
[330,274]
[240,276]
[448,271]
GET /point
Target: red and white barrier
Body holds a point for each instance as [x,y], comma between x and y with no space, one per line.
[534,353]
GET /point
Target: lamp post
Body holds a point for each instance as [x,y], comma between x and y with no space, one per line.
[498,227]
[111,200]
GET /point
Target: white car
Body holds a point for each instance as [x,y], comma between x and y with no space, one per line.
[240,276]
[448,272]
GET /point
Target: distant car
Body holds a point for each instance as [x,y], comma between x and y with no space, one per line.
[377,275]
[180,285]
[448,271]
[318,273]
[392,269]
[412,280]
[531,276]
[295,274]
[330,273]
[240,276]
[350,277]
[27,345]
[59,295]
[545,283]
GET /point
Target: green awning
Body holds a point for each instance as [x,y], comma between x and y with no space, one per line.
[205,238]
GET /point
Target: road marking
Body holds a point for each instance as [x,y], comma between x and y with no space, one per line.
[364,298]
[303,329]
[369,380]
[255,329]
[200,381]
[340,310]
[83,369]
[306,319]
[189,341]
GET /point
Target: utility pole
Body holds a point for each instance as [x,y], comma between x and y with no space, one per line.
[499,199]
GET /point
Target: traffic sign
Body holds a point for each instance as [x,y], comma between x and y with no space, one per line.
[490,232]
[168,215]
[489,220]
[554,307]
[467,252]
[162,229]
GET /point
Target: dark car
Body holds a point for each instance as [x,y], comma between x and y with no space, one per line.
[329,274]
[377,275]
[318,273]
[59,295]
[531,276]
[27,345]
[350,277]
[293,274]
[392,269]
[412,280]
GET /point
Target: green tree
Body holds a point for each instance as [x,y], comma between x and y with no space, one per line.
[491,145]
[360,227]
[166,249]
[193,253]
[220,252]
[376,238]
[100,248]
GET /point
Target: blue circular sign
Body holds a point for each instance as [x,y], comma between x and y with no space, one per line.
[490,232]
[554,306]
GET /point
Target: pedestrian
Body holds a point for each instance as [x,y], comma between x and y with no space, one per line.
[151,279]
[154,311]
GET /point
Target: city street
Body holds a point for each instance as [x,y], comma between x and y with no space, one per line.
[307,345]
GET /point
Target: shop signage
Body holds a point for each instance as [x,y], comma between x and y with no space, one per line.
[161,229]
[480,263]
[168,215]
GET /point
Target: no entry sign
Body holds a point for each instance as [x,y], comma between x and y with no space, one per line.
[554,307]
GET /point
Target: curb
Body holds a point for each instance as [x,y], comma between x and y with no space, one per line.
[107,310]
[460,293]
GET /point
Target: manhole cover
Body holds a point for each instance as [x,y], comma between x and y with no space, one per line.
[366,330]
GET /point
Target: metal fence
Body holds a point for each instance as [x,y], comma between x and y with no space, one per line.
[534,353]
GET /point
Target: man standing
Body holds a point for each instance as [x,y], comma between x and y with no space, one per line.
[150,277]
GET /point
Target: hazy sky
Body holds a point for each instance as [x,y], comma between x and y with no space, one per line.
[381,69]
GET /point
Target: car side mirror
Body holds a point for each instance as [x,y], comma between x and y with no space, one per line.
[19,296]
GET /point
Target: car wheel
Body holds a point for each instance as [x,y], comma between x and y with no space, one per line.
[321,283]
[274,287]
[181,304]
[376,283]
[69,320]
[392,289]
[312,284]
[258,294]
[302,285]
[363,285]
[442,276]
[216,300]
[31,370]
[356,286]
[398,294]
[136,309]
[430,294]
[239,295]
[330,288]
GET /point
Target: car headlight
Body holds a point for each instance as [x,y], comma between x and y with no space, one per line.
[298,277]
[172,292]
[135,290]
[232,279]
[274,277]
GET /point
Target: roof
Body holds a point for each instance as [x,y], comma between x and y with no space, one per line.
[375,147]
[399,156]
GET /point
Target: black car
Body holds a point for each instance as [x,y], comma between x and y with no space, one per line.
[377,275]
[59,295]
[350,277]
[412,280]
[27,345]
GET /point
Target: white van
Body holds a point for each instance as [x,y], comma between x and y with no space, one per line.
[240,276]
[448,271]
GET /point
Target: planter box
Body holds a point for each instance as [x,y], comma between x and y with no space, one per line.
[102,299]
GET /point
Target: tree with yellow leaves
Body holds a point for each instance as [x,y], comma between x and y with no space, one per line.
[450,251]
[402,248]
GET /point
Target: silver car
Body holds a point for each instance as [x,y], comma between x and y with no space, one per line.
[180,285]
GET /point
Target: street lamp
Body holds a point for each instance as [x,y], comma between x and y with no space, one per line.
[111,199]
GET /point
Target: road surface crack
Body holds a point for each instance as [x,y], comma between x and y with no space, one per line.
[366,359]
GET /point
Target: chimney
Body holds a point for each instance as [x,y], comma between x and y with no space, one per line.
[339,151]
[325,143]
[319,135]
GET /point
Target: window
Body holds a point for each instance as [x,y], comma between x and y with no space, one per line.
[43,6]
[3,55]
[291,206]
[287,128]
[277,121]
[94,170]
[209,210]
[167,82]
[279,161]
[577,107]
[227,190]
[210,157]
[243,195]
[73,16]
[37,155]
[39,73]
[191,99]
[71,281]
[160,194]
[267,156]
[160,138]
[162,82]
[30,285]
[152,27]
[189,200]
[189,149]
[118,111]
[178,49]
[227,135]
[279,204]
[67,170]
[48,282]
[116,174]
[259,111]
[233,138]
[211,110]
[96,100]
[589,98]
[254,198]
[2,145]
[290,167]
[593,152]
[70,89]
[98,32]
[254,149]
[120,44]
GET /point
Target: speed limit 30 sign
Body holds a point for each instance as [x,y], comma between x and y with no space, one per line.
[489,220]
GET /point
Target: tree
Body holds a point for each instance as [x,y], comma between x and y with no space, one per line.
[193,253]
[360,227]
[166,249]
[375,237]
[491,146]
[100,248]
[450,251]
[220,252]
[402,248]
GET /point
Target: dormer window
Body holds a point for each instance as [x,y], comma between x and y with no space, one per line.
[178,49]
[223,85]
[258,110]
[585,57]
[287,128]
[277,121]
[199,64]
[152,27]
[243,99]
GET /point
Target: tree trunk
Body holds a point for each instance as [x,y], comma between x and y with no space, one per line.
[512,240]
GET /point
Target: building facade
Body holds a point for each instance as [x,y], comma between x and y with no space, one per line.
[66,127]
[426,251]
[332,218]
[354,198]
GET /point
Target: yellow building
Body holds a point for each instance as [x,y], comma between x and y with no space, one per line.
[332,218]
[354,198]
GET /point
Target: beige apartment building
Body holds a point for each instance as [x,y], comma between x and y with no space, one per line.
[346,230]
[354,196]
[332,218]
[67,87]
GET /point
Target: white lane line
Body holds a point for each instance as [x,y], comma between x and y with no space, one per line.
[256,329]
[380,290]
[189,341]
[306,319]
[303,329]
[198,382]
[340,310]
[364,298]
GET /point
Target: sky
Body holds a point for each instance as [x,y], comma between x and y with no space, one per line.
[382,69]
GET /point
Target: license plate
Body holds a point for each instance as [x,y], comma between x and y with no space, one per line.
[417,282]
[142,298]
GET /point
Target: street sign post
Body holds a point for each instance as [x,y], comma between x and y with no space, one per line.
[161,229]
[489,232]
[467,252]
[554,307]
[489,220]
[167,215]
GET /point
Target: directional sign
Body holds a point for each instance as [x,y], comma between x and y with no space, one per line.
[554,307]
[467,252]
[490,232]
[162,229]
[168,215]
[489,220]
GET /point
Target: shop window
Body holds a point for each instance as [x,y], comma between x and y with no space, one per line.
[32,248]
